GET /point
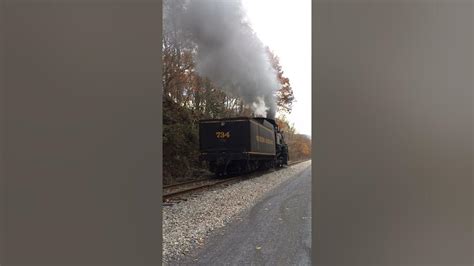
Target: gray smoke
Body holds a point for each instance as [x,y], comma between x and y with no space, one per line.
[230,54]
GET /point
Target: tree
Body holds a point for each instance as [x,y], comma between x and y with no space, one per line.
[299,146]
[189,97]
[177,50]
[285,97]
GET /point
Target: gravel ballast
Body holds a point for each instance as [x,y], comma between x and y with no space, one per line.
[187,224]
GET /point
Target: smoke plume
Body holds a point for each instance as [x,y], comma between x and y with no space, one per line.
[230,54]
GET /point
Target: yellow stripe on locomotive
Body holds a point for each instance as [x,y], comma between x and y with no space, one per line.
[264,140]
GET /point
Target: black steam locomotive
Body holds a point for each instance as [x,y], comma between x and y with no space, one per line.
[242,144]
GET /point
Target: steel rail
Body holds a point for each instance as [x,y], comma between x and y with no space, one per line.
[209,185]
[185,183]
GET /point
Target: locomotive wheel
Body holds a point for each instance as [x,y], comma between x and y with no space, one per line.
[220,171]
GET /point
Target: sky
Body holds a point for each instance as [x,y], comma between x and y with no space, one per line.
[285,26]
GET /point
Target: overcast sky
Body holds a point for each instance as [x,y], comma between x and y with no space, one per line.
[285,26]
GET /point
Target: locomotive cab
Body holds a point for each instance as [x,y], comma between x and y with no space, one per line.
[281,147]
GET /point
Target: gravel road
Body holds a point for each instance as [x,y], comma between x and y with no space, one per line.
[265,220]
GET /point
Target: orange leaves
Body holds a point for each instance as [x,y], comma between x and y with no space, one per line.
[284,95]
[299,146]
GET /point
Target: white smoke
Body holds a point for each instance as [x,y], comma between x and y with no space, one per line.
[230,53]
[259,108]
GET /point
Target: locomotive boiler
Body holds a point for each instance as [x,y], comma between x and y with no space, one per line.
[241,144]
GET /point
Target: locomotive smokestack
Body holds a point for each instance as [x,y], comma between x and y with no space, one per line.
[230,53]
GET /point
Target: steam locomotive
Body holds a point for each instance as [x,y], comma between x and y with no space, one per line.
[242,144]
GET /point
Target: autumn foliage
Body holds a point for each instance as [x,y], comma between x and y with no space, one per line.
[189,97]
[299,145]
[284,96]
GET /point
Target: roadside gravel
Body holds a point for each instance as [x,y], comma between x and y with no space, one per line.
[187,224]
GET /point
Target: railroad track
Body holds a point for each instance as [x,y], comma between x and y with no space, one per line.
[184,183]
[203,184]
[210,183]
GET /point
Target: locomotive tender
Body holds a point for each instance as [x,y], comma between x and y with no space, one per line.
[241,144]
